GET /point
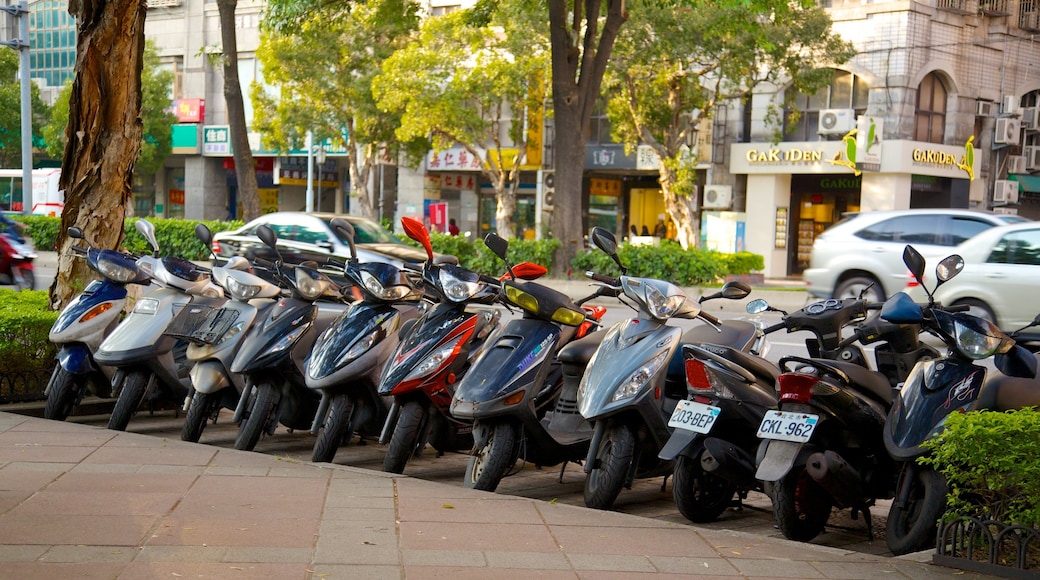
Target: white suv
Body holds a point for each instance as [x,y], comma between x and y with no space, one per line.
[866,249]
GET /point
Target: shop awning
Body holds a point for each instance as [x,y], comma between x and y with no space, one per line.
[1027,183]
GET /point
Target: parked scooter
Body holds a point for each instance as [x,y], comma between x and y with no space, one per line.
[16,262]
[714,443]
[433,356]
[635,379]
[349,356]
[147,367]
[83,324]
[515,393]
[214,341]
[935,389]
[272,354]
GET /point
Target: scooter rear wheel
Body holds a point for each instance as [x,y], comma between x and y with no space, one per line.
[614,460]
[260,414]
[913,527]
[801,506]
[488,464]
[202,408]
[130,397]
[701,497]
[62,391]
[411,421]
[336,428]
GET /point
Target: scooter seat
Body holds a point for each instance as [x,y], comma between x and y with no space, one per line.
[580,351]
[735,333]
[869,382]
[757,365]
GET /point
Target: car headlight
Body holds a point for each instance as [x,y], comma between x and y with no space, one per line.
[311,287]
[979,339]
[240,291]
[456,289]
[146,306]
[115,271]
[433,361]
[637,380]
[662,307]
[372,284]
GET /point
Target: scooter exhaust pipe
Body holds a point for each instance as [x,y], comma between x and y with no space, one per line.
[836,476]
[726,460]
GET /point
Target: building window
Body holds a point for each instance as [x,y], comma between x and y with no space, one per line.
[52,42]
[846,91]
[930,118]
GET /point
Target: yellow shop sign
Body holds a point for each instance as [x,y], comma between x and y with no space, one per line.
[783,156]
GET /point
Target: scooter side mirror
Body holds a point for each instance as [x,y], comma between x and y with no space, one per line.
[735,290]
[757,306]
[267,236]
[345,230]
[529,271]
[497,245]
[75,233]
[204,235]
[605,241]
[948,268]
[415,229]
[146,229]
[914,262]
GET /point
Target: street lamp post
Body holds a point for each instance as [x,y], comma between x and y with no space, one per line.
[319,158]
[20,12]
[309,143]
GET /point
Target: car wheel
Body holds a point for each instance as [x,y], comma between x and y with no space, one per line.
[852,288]
[978,308]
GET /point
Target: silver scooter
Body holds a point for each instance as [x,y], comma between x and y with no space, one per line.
[144,356]
[214,341]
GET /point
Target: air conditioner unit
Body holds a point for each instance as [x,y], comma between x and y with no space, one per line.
[1006,210]
[985,108]
[836,121]
[1032,155]
[1009,131]
[718,196]
[1031,118]
[1005,191]
[1016,163]
[1009,104]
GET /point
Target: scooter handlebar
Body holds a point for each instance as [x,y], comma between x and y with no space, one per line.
[710,318]
[602,278]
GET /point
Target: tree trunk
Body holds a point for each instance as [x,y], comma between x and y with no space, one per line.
[245,170]
[505,208]
[103,137]
[682,213]
[360,161]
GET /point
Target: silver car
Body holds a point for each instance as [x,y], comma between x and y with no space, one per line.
[864,251]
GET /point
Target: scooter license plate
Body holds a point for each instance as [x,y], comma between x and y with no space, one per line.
[786,426]
[693,416]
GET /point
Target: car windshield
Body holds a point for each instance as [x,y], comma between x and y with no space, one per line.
[368,232]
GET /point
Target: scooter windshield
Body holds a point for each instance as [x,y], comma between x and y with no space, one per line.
[933,390]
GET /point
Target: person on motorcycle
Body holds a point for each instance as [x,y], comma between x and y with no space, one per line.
[12,228]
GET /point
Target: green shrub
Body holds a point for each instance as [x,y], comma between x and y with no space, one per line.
[991,465]
[474,254]
[671,262]
[25,322]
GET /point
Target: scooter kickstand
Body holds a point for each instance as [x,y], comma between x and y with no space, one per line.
[664,484]
[562,469]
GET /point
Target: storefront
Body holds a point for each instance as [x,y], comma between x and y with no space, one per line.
[796,190]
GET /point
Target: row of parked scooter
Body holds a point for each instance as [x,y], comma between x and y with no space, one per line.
[422,357]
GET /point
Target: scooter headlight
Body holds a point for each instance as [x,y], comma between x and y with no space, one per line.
[288,339]
[433,361]
[662,307]
[635,382]
[146,306]
[311,287]
[373,285]
[115,271]
[240,291]
[455,288]
[979,339]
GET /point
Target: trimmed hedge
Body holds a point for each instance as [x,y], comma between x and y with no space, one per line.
[26,353]
[669,261]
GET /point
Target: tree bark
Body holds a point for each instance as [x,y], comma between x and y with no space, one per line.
[245,170]
[680,211]
[103,136]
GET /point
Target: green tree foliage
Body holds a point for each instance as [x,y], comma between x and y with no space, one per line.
[676,60]
[474,85]
[11,111]
[156,140]
[323,70]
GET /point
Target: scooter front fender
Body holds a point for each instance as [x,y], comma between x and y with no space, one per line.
[209,376]
[75,359]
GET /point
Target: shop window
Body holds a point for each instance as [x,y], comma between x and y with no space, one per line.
[930,116]
[846,91]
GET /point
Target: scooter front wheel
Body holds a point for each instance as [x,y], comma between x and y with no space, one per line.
[404,443]
[913,525]
[801,506]
[489,463]
[26,280]
[130,397]
[701,497]
[336,428]
[613,461]
[202,408]
[62,392]
[261,413]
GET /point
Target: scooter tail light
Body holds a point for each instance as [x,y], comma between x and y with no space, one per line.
[796,387]
[697,375]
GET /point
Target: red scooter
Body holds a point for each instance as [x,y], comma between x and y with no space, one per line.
[16,262]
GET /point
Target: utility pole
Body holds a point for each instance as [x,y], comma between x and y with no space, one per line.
[20,12]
